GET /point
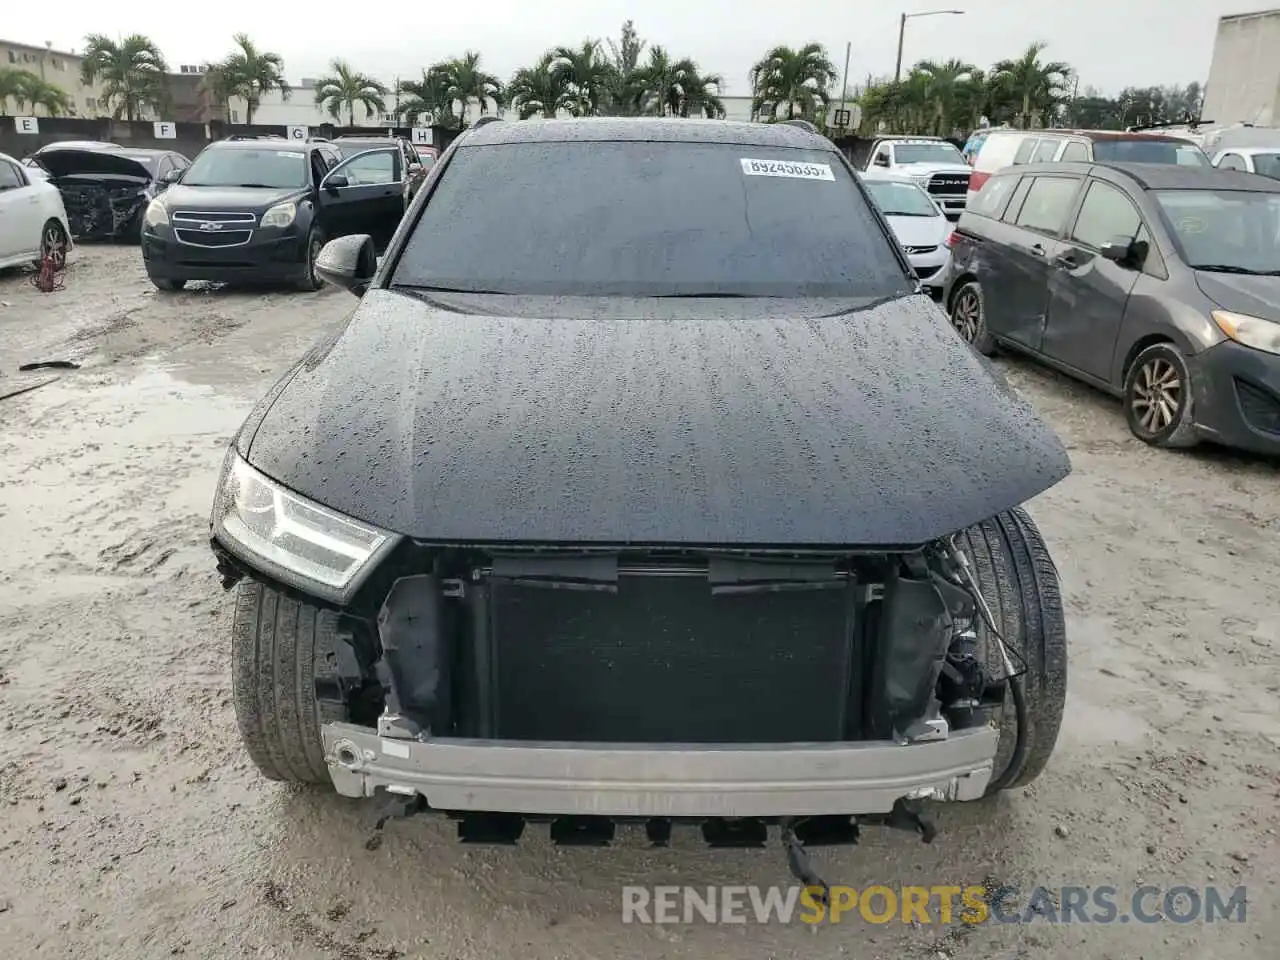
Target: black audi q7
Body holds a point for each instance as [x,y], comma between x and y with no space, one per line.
[258,210]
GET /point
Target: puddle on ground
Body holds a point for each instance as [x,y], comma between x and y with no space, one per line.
[111,478]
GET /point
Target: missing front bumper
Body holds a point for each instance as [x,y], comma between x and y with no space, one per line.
[638,780]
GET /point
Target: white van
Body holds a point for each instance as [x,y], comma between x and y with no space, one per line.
[1004,148]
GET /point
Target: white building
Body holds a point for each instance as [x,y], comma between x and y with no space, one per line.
[1244,78]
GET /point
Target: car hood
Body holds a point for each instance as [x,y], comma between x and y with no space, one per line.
[66,163]
[875,427]
[919,231]
[1255,296]
[920,170]
[181,196]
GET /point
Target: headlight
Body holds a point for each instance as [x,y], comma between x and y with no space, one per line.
[156,213]
[297,541]
[1249,331]
[281,215]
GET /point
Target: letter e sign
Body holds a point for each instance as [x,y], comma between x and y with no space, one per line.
[26,124]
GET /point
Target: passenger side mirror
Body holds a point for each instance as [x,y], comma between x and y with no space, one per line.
[335,182]
[348,262]
[171,176]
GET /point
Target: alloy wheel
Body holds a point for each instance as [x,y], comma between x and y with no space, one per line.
[1157,395]
[54,244]
[966,315]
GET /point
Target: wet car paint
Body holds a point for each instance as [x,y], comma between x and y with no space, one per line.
[483,420]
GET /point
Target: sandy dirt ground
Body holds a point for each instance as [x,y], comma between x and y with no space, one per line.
[132,825]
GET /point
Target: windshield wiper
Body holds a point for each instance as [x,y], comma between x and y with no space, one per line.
[1232,268]
[419,288]
[703,296]
[266,186]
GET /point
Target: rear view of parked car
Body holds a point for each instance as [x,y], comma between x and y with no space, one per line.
[1005,148]
[33,223]
[1156,283]
[106,188]
[917,221]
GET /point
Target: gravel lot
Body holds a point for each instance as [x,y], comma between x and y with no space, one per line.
[132,826]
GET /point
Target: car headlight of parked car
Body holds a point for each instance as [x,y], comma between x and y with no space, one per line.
[281,215]
[1250,331]
[296,541]
[156,214]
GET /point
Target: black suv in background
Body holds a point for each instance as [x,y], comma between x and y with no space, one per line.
[258,209]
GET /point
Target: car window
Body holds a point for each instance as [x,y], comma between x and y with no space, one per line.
[1047,204]
[372,168]
[994,196]
[650,219]
[901,199]
[1074,152]
[163,167]
[1025,149]
[10,176]
[244,167]
[1105,215]
[1046,150]
[1149,151]
[908,153]
[1016,201]
[1233,161]
[1267,164]
[1238,230]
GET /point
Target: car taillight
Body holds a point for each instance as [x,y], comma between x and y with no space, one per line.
[977,179]
[952,239]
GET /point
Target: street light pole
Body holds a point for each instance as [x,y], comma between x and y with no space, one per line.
[902,32]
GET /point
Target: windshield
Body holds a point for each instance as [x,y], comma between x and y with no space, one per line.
[1230,231]
[239,167]
[900,199]
[650,219]
[148,160]
[926,153]
[1150,151]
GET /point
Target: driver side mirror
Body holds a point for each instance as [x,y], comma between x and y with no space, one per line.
[882,161]
[171,176]
[335,182]
[348,262]
[1124,251]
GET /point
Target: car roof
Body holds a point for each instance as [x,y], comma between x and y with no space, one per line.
[265,143]
[1248,151]
[1098,136]
[642,129]
[1160,176]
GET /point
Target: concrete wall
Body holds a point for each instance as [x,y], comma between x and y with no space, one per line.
[1244,78]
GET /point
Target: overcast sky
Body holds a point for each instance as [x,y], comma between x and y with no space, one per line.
[1112,43]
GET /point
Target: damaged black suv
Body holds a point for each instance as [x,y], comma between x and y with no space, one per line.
[644,484]
[258,210]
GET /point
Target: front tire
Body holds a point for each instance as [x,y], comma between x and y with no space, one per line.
[969,317]
[278,644]
[311,281]
[1157,398]
[54,244]
[168,286]
[1019,582]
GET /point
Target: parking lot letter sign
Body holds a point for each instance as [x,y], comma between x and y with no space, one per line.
[26,124]
[166,130]
[298,131]
[422,136]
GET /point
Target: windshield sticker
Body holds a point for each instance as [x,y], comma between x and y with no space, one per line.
[290,154]
[780,168]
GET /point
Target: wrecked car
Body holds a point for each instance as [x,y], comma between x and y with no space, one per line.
[644,485]
[106,187]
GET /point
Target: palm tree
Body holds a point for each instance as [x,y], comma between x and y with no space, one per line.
[540,90]
[345,87]
[430,98]
[624,57]
[13,82]
[676,87]
[218,85]
[793,80]
[132,73]
[249,73]
[943,88]
[466,82]
[1038,87]
[701,93]
[588,76]
[41,93]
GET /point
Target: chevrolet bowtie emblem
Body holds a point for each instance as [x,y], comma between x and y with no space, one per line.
[210,225]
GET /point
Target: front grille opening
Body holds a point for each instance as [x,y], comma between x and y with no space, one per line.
[1261,409]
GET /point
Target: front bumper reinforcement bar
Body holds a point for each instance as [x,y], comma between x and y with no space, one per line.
[652,780]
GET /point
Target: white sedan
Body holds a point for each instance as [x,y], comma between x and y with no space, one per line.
[917,221]
[33,221]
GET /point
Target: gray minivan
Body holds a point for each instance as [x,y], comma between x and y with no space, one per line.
[1157,283]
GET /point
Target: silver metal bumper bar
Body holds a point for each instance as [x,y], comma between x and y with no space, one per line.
[649,780]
